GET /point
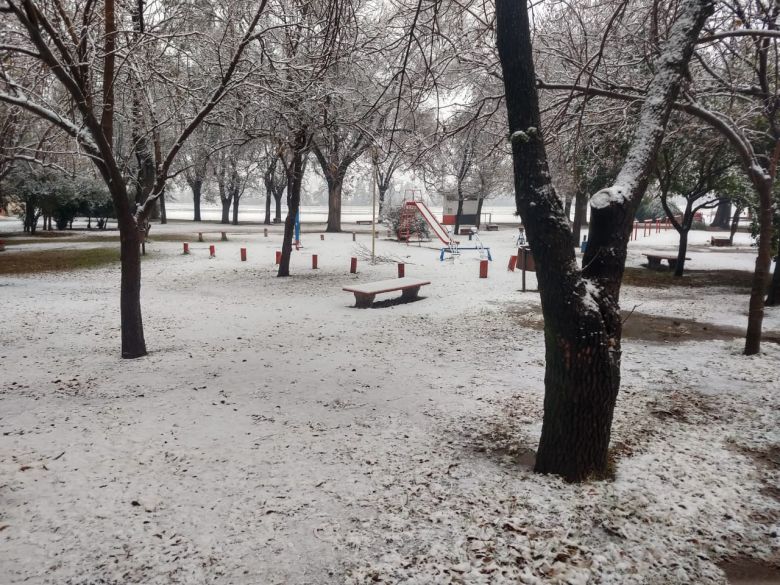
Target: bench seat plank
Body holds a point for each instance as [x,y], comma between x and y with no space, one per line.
[383,286]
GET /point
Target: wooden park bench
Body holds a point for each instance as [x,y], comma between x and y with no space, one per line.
[720,242]
[654,261]
[491,227]
[365,293]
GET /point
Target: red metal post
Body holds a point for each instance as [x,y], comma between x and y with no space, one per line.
[278,257]
[483,268]
[314,261]
[185,244]
[243,254]
[212,251]
[512,263]
[353,265]
[401,269]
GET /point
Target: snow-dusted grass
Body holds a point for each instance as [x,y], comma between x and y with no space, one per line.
[275,434]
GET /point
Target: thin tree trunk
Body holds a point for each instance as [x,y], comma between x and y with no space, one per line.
[197,188]
[735,224]
[382,191]
[761,273]
[773,298]
[480,201]
[580,213]
[278,206]
[163,213]
[295,178]
[268,197]
[235,209]
[335,185]
[133,343]
[682,249]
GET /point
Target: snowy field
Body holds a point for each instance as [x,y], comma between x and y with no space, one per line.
[275,434]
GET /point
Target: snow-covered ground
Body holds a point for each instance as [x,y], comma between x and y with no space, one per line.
[276,434]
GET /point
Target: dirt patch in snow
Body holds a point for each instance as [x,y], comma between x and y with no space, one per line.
[750,572]
[643,277]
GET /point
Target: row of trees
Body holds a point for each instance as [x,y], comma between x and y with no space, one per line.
[211,90]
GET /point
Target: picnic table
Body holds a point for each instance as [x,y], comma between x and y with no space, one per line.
[654,260]
[366,292]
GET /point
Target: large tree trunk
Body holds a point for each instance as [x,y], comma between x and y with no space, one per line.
[197,189]
[722,215]
[581,313]
[580,214]
[763,265]
[381,190]
[225,209]
[335,185]
[133,343]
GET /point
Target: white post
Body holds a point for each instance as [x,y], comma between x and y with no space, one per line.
[373,212]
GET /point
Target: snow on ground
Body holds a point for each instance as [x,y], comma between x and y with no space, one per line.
[276,434]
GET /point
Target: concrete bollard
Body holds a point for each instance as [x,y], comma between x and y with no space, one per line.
[186,248]
[512,263]
[278,257]
[401,270]
[200,237]
[353,265]
[483,268]
[243,254]
[314,261]
[224,237]
[212,251]
[265,232]
[322,237]
[353,236]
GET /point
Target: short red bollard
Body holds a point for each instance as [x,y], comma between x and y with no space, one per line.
[483,268]
[278,257]
[512,263]
[212,251]
[265,232]
[353,265]
[314,261]
[243,254]
[185,244]
[401,270]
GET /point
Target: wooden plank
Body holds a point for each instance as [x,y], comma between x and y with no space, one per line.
[383,286]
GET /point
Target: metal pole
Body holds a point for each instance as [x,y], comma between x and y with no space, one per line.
[373,212]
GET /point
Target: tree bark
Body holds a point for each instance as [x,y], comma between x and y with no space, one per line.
[335,185]
[225,209]
[268,197]
[278,205]
[294,180]
[735,223]
[163,212]
[580,213]
[722,215]
[773,297]
[763,265]
[381,190]
[133,342]
[197,189]
[480,201]
[235,209]
[682,249]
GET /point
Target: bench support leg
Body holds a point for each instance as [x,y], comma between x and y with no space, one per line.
[409,294]
[364,301]
[654,263]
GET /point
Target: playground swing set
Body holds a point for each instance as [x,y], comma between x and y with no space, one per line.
[452,248]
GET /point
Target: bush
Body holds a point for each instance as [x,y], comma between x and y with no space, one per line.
[651,208]
[419,226]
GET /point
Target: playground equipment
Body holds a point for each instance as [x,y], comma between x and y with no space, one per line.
[406,226]
[454,248]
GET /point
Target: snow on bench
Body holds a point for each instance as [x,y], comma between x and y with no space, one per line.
[365,293]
